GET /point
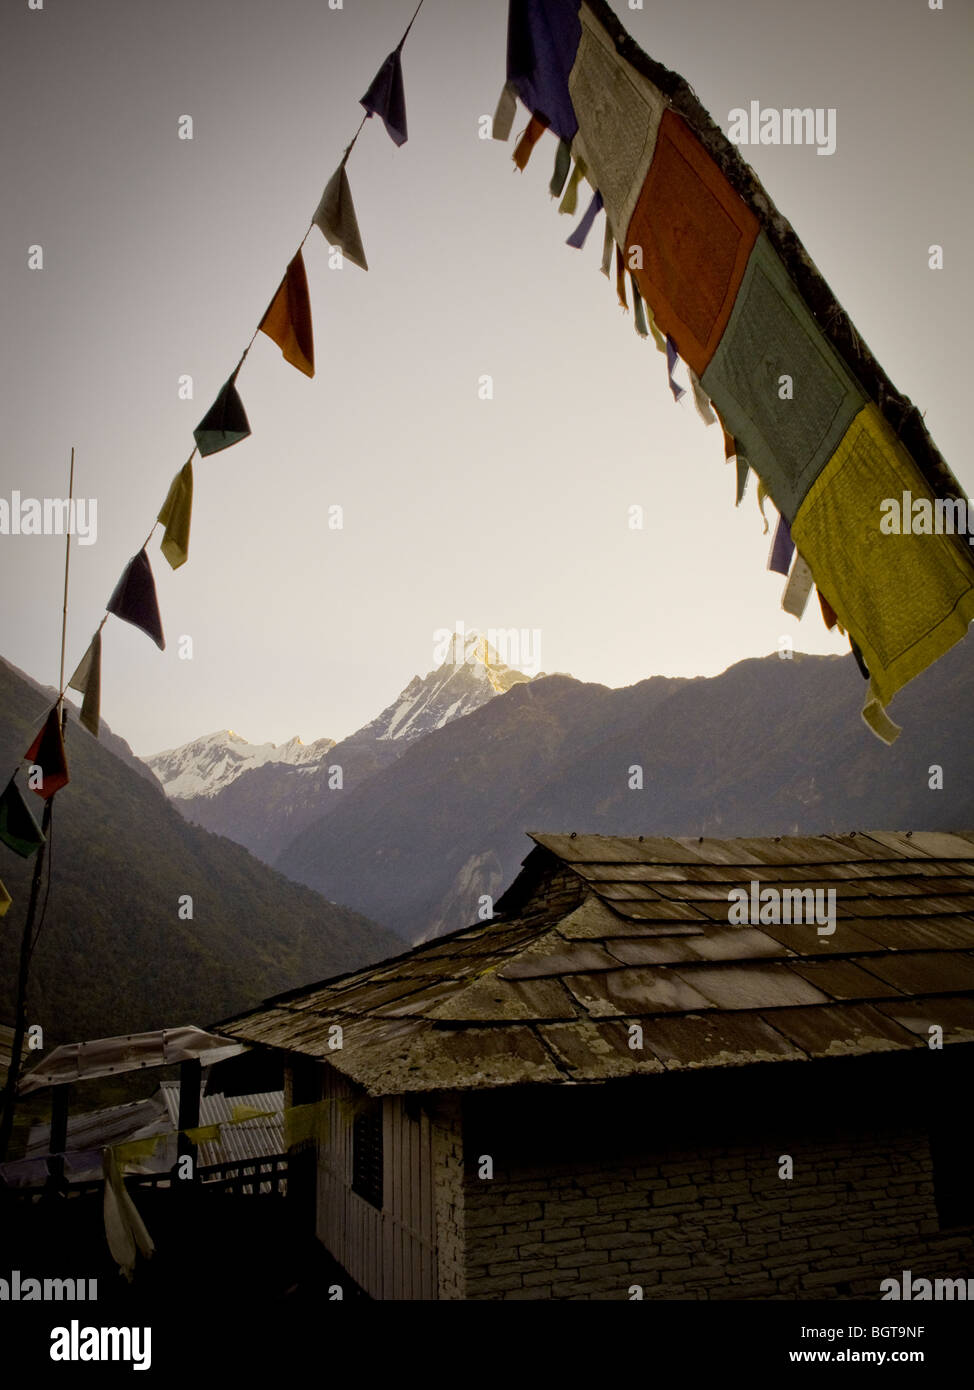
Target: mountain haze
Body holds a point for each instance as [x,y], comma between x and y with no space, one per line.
[264,807]
[768,747]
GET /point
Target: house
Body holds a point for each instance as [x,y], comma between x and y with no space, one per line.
[615,1089]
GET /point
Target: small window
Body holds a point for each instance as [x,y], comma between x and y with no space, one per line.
[367,1153]
[950,1152]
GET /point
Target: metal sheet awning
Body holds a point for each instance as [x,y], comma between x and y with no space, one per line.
[165,1047]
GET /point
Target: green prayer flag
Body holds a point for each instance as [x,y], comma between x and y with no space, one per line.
[19,830]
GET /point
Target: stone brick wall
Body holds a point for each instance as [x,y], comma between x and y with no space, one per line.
[446,1134]
[716,1223]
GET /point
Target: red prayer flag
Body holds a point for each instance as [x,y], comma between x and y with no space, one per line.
[47,753]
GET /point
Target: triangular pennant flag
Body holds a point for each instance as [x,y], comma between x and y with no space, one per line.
[137,1150]
[577,238]
[176,513]
[335,217]
[240,1113]
[387,99]
[19,830]
[505,113]
[134,599]
[47,753]
[87,681]
[563,163]
[782,548]
[288,320]
[672,357]
[203,1134]
[302,1122]
[5,900]
[225,422]
[522,150]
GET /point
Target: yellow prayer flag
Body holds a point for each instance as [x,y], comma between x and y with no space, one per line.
[203,1134]
[175,515]
[239,1113]
[904,597]
[87,681]
[136,1150]
[302,1122]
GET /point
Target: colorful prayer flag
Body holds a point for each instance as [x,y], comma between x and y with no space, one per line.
[87,681]
[134,599]
[784,392]
[532,134]
[672,358]
[5,900]
[225,422]
[335,216]
[695,236]
[19,830]
[176,515]
[387,99]
[798,588]
[288,320]
[577,238]
[542,41]
[505,113]
[904,599]
[619,114]
[47,753]
[782,548]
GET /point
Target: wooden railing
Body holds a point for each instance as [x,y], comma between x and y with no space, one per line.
[244,1177]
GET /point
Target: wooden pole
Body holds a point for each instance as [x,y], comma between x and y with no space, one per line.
[20,1019]
[59,1134]
[67,563]
[27,940]
[190,1085]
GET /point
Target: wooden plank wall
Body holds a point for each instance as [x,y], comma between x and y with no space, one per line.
[390,1254]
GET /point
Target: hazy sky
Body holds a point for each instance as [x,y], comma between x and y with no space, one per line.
[160,256]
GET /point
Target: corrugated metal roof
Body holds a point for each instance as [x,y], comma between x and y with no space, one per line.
[259,1137]
[88,1134]
[552,993]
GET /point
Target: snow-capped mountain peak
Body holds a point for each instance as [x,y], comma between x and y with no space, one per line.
[208,764]
[470,675]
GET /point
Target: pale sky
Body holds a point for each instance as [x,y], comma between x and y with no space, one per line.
[160,256]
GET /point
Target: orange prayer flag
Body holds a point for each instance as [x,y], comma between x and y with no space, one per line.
[288,320]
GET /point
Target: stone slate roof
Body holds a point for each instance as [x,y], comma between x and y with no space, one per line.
[601,932]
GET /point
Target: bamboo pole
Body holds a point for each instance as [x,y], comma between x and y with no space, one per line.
[27,940]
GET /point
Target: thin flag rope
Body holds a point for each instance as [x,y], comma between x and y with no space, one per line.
[197,452]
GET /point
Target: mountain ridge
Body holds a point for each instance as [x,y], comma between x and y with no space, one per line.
[117,953]
[769,746]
